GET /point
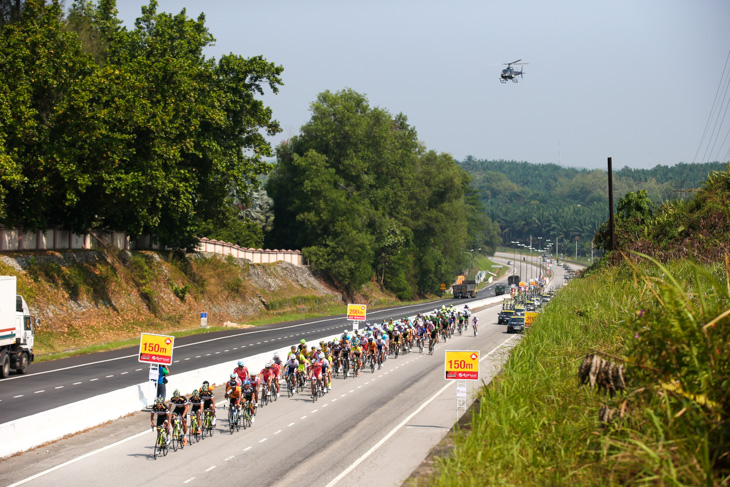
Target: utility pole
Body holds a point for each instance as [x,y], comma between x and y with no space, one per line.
[576,247]
[610,204]
[557,249]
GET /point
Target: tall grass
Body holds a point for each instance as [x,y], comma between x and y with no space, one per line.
[537,426]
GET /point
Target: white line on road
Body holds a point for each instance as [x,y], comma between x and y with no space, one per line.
[229,458]
[277,432]
[59,387]
[261,441]
[19,395]
[315,411]
[38,392]
[176,361]
[386,437]
[52,469]
[190,345]
[76,383]
[137,370]
[108,376]
[189,480]
[92,380]
[400,425]
[247,448]
[124,373]
[291,424]
[210,468]
[325,405]
[303,417]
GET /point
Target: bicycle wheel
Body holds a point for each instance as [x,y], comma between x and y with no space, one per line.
[289,386]
[246,417]
[159,443]
[372,365]
[231,419]
[175,436]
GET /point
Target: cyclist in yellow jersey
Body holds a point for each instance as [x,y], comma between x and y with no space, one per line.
[303,364]
[357,355]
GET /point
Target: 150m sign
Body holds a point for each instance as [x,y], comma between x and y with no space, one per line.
[462,365]
[156,349]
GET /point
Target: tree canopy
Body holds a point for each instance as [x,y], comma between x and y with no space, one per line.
[104,127]
[363,199]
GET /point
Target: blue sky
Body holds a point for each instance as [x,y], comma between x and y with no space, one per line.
[631,79]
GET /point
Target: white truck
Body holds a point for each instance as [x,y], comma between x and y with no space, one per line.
[16,329]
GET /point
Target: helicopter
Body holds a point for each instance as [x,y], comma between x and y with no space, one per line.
[510,73]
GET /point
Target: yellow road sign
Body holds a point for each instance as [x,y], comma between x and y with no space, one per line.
[462,364]
[530,317]
[356,312]
[156,349]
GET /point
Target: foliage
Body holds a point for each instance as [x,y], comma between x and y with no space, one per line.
[554,202]
[132,130]
[535,425]
[698,227]
[362,198]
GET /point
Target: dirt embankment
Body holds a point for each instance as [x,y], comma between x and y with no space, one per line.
[89,297]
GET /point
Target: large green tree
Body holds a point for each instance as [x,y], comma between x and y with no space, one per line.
[133,130]
[358,193]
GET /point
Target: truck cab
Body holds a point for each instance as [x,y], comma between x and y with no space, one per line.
[16,329]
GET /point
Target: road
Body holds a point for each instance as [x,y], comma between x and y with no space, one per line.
[59,382]
[376,428]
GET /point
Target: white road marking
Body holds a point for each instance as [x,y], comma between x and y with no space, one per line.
[325,405]
[19,395]
[217,353]
[192,344]
[291,424]
[229,458]
[303,417]
[351,391]
[277,432]
[333,400]
[197,356]
[386,437]
[187,358]
[247,448]
[210,468]
[359,387]
[189,480]
[108,376]
[315,411]
[38,392]
[207,355]
[261,441]
[59,387]
[57,467]
[95,378]
[176,361]
[124,373]
[226,350]
[137,370]
[76,383]
[343,395]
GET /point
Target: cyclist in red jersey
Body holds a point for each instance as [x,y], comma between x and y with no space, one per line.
[241,371]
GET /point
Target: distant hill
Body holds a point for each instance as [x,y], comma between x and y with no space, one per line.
[551,201]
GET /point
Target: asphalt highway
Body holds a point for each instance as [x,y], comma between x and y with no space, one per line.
[59,382]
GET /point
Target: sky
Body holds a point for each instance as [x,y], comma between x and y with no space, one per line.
[634,80]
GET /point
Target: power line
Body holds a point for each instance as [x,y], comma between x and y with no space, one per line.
[714,136]
[712,110]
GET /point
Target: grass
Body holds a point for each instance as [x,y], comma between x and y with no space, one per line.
[536,426]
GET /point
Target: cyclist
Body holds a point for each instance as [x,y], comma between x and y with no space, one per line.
[233,394]
[196,405]
[357,355]
[292,352]
[256,384]
[396,341]
[372,347]
[267,377]
[380,344]
[316,371]
[276,359]
[179,405]
[241,371]
[206,394]
[303,364]
[475,323]
[290,367]
[249,393]
[163,415]
[276,369]
[302,344]
[328,360]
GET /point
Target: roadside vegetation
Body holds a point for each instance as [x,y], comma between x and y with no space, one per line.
[625,378]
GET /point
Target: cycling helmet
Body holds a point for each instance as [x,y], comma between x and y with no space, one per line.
[159,400]
[302,341]
[319,349]
[276,354]
[233,376]
[240,363]
[370,339]
[176,393]
[247,383]
[195,393]
[232,383]
[293,348]
[205,387]
[268,365]
[320,356]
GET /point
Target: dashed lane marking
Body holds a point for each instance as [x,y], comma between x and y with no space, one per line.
[189,480]
[229,458]
[291,424]
[303,417]
[325,405]
[247,448]
[137,370]
[176,361]
[210,468]
[76,383]
[108,376]
[187,358]
[315,411]
[124,373]
[277,432]
[38,392]
[262,440]
[95,378]
[19,395]
[59,387]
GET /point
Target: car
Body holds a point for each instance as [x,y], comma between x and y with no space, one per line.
[529,306]
[516,324]
[504,316]
[499,289]
[509,262]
